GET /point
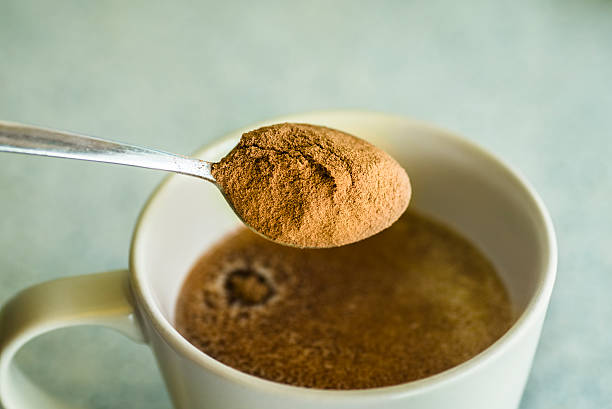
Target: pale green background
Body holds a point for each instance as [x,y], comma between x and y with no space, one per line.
[529,80]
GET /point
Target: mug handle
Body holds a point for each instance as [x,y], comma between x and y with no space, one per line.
[97,299]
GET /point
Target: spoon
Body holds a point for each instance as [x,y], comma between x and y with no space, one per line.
[373,189]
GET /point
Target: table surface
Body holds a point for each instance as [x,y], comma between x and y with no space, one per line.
[528,80]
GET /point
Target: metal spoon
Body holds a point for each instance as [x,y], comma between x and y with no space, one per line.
[18,138]
[33,140]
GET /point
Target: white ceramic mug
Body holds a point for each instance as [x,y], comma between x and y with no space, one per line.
[453,181]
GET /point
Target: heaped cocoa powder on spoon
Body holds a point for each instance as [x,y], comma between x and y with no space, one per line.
[311,186]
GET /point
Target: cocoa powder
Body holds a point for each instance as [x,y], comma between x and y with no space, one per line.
[405,304]
[312,186]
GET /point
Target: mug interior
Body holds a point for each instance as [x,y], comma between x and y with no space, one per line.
[453,181]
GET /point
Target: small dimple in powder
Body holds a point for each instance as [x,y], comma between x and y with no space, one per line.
[312,186]
[408,303]
[247,287]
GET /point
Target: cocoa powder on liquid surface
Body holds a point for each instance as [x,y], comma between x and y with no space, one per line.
[406,304]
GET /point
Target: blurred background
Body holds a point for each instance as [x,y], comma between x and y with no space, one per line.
[529,80]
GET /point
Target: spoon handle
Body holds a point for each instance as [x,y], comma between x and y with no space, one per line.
[32,140]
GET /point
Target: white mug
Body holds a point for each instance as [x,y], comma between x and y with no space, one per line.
[453,181]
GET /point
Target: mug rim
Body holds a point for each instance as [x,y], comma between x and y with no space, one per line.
[538,301]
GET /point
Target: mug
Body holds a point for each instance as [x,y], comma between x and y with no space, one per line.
[453,181]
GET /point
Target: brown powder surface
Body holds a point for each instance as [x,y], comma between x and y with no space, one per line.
[311,186]
[403,305]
